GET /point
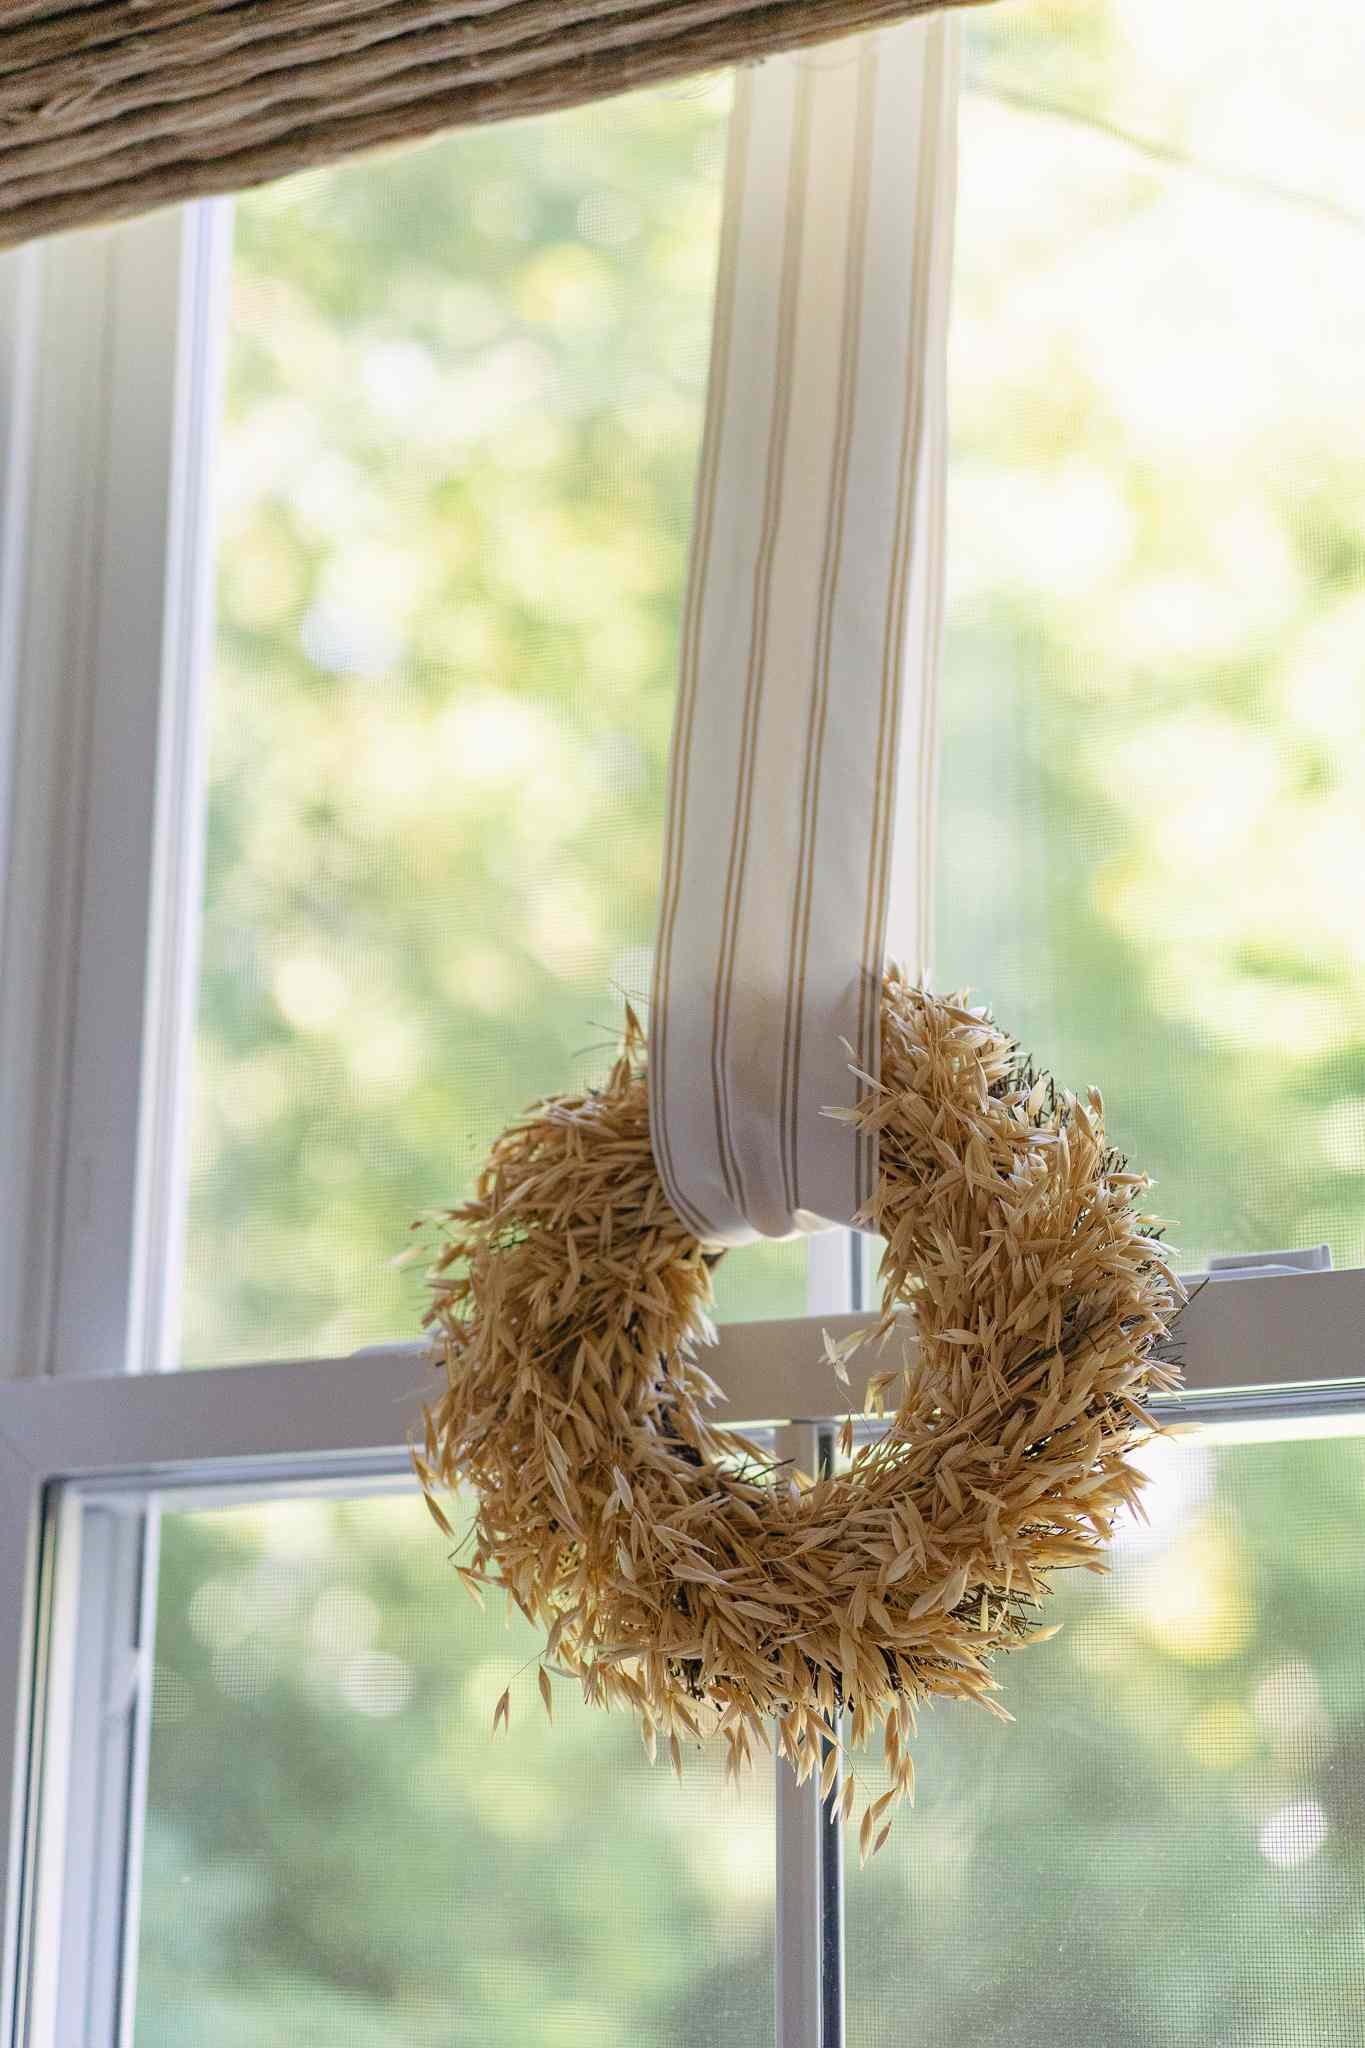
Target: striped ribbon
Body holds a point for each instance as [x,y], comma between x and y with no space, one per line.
[810,635]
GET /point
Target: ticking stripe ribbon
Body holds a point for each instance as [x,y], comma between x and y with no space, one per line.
[810,635]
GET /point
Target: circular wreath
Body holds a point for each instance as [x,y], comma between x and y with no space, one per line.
[683,1571]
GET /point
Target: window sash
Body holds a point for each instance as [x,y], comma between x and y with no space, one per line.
[77,1600]
[112,342]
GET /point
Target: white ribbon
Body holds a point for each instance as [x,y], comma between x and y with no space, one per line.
[810,635]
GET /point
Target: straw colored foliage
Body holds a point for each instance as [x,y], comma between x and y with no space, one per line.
[679,1570]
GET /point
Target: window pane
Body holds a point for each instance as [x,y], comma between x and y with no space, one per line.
[1153,802]
[1167,1849]
[337,1849]
[465,396]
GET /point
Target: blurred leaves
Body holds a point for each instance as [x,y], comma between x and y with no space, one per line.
[1165,1848]
[465,395]
[335,1840]
[1152,820]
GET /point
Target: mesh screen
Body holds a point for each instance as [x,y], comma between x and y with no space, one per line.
[465,392]
[1168,1847]
[1153,800]
[337,1851]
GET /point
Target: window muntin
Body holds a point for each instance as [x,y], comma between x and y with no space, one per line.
[1153,769]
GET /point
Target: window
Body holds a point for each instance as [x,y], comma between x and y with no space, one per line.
[330,797]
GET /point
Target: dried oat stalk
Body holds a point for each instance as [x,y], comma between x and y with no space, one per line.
[675,1568]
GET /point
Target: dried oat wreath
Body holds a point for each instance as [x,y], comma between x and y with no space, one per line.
[678,1569]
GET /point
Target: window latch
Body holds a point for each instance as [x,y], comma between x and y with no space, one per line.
[1315,1258]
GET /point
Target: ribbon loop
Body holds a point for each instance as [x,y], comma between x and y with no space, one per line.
[810,634]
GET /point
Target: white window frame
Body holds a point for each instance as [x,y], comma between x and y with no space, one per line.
[109,395]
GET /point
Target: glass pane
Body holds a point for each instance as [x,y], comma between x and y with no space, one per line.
[1167,1849]
[1153,799]
[465,392]
[338,1851]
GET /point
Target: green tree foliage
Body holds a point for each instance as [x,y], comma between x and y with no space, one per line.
[1153,730]
[1165,1849]
[338,1851]
[463,409]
